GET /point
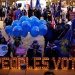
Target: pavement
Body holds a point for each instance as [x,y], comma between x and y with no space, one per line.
[36,72]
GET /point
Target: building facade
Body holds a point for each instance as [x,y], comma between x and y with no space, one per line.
[68,2]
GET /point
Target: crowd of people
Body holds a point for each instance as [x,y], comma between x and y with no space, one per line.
[51,38]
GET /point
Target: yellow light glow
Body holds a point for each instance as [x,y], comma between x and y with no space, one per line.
[56,64]
[45,63]
[73,61]
[27,65]
[21,61]
[5,63]
[0,60]
[67,63]
[37,63]
[13,63]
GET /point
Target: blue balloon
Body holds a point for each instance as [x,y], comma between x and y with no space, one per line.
[33,17]
[8,30]
[34,31]
[42,22]
[17,31]
[43,29]
[24,18]
[15,23]
[34,21]
[24,33]
[26,26]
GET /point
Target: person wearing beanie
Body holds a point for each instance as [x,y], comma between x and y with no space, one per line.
[16,44]
[51,50]
[34,50]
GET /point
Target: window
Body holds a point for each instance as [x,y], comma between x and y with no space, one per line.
[3,3]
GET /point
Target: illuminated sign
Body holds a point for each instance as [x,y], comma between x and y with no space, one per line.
[38,63]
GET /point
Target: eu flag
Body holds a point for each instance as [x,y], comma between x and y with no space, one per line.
[71,32]
[66,40]
[59,7]
[38,4]
[30,3]
[73,29]
[54,7]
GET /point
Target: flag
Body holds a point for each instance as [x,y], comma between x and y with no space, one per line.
[71,32]
[53,22]
[6,3]
[24,5]
[59,7]
[9,38]
[65,44]
[38,4]
[30,3]
[73,29]
[54,9]
[66,40]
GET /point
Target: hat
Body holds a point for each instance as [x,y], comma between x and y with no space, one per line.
[17,38]
[63,19]
[56,41]
[35,42]
[49,23]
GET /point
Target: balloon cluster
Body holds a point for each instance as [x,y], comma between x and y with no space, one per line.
[32,25]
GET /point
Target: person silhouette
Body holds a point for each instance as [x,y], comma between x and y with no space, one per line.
[49,73]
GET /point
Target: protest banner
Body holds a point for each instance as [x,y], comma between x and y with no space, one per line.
[3,49]
[71,15]
[21,51]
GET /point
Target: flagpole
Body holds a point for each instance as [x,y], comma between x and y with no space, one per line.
[6,3]
[59,7]
[31,4]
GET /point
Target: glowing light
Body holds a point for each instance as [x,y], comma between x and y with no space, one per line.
[73,61]
[56,64]
[45,63]
[5,62]
[21,61]
[66,64]
[13,63]
[27,65]
[37,63]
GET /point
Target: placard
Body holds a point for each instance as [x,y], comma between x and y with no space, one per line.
[3,49]
[21,51]
[71,15]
